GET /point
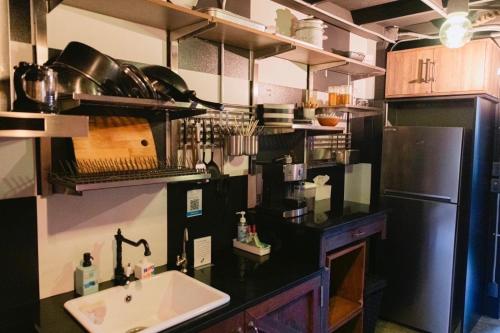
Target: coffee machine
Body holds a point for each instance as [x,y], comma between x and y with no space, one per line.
[281,188]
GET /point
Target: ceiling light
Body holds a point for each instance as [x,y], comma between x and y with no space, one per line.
[456,31]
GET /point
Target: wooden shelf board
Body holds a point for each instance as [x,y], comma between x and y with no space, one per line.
[240,36]
[341,311]
[256,40]
[165,15]
[332,19]
[154,13]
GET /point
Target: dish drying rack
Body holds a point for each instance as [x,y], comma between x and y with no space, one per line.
[78,176]
[322,149]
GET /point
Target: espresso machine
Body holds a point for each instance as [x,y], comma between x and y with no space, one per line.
[281,188]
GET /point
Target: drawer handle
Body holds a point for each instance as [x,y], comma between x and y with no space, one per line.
[357,234]
[252,326]
[238,330]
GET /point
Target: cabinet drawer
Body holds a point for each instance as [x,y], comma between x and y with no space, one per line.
[234,324]
[354,234]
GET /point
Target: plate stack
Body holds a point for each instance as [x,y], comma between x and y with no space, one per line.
[280,115]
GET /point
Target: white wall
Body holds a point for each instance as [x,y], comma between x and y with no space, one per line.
[69,226]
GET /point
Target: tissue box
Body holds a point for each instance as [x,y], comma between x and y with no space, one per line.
[323,192]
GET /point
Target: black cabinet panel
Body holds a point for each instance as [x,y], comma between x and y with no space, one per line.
[19,250]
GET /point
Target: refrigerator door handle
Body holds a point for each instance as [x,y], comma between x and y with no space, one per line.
[416,195]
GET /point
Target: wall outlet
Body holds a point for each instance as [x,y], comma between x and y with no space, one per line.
[495,171]
[495,185]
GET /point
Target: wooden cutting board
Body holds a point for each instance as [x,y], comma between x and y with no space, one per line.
[115,138]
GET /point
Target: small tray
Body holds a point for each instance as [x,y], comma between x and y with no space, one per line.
[250,248]
[235,18]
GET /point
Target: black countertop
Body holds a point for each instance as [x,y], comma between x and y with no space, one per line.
[247,279]
[322,220]
[240,275]
[325,220]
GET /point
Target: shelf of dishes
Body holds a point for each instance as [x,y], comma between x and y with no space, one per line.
[38,125]
[331,18]
[210,26]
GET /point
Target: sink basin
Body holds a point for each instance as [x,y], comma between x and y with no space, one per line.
[146,306]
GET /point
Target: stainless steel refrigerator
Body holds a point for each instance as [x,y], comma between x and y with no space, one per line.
[421,184]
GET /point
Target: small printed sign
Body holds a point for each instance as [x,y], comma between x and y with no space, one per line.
[194,203]
[202,251]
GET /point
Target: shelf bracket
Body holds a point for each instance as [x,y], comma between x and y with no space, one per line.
[273,51]
[51,4]
[191,30]
[328,65]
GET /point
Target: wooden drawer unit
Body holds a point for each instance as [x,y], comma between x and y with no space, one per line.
[297,310]
[346,288]
[234,324]
[356,233]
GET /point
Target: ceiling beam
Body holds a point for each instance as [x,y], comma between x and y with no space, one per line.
[389,11]
[438,6]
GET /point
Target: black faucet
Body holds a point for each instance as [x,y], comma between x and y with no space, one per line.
[120,277]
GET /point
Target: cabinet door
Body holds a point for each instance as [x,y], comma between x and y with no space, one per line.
[234,324]
[460,70]
[408,72]
[294,311]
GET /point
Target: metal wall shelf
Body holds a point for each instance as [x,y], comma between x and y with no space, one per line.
[310,130]
[97,104]
[355,110]
[39,125]
[74,184]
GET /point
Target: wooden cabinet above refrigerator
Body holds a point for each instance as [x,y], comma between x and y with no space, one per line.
[439,71]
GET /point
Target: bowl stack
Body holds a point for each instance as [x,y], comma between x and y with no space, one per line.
[278,115]
[311,31]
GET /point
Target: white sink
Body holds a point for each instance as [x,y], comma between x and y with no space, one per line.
[146,306]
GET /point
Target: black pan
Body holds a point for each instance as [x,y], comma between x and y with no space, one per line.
[170,85]
[112,77]
[93,64]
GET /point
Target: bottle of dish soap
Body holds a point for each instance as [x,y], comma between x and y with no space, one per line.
[86,276]
[242,227]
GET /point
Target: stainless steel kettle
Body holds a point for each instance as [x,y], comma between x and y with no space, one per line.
[36,88]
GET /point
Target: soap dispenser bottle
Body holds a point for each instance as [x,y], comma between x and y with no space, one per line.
[242,227]
[86,276]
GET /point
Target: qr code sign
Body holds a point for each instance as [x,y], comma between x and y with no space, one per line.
[194,203]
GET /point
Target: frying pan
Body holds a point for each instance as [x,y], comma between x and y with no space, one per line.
[94,65]
[170,85]
[113,77]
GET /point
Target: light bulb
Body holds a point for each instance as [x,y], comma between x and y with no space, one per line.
[456,31]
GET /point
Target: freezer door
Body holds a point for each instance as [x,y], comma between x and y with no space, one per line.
[418,263]
[422,161]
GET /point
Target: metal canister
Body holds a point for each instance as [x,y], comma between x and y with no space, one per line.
[250,145]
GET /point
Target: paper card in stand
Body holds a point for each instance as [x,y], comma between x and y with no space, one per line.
[202,251]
